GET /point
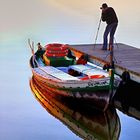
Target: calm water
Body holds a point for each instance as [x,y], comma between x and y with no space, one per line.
[21,115]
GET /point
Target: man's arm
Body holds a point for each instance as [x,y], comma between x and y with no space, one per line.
[103,16]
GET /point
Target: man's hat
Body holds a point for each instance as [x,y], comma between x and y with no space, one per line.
[38,43]
[104,5]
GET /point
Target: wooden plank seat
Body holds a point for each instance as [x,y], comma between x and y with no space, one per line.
[54,72]
[89,70]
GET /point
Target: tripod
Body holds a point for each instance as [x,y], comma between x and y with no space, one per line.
[97,32]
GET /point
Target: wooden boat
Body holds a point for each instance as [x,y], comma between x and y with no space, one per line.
[58,71]
[81,119]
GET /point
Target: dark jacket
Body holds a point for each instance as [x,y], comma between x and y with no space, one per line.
[109,16]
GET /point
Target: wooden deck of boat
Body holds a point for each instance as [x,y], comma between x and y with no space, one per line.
[126,58]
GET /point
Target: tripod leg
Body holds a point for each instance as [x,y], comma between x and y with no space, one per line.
[97,32]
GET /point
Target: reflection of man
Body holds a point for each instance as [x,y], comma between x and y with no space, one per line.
[109,15]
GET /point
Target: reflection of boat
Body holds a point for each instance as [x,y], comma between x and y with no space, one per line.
[98,100]
[54,69]
[126,99]
[80,118]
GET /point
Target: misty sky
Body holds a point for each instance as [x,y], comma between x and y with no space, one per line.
[62,17]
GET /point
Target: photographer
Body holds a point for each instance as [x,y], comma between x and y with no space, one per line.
[109,16]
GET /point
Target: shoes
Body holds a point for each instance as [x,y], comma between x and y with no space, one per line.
[109,49]
[104,49]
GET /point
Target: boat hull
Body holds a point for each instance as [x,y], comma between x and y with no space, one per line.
[98,99]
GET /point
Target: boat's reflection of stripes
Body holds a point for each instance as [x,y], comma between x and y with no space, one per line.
[99,99]
[83,120]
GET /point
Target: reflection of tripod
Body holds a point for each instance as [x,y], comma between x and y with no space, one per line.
[114,59]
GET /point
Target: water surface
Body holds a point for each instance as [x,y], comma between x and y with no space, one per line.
[21,115]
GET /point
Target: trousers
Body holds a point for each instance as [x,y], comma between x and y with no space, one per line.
[110,28]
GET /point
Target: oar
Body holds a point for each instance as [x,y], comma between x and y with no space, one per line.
[32,50]
[31,47]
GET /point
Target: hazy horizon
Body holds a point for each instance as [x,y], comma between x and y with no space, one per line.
[66,21]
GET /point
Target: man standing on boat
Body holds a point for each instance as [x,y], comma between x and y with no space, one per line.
[109,16]
[40,50]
